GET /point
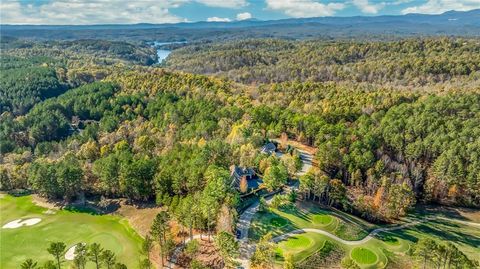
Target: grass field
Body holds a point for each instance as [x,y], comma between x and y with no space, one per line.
[70,227]
[280,221]
[466,237]
[302,246]
[387,248]
[363,255]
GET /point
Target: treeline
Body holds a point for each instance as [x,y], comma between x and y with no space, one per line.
[137,53]
[117,141]
[146,133]
[83,254]
[433,254]
[35,71]
[389,148]
[403,62]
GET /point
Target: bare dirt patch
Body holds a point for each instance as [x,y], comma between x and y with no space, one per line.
[207,255]
[45,203]
[139,216]
[296,144]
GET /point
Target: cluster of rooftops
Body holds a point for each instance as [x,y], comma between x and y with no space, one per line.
[237,173]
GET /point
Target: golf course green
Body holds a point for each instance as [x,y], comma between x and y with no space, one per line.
[363,256]
[279,221]
[25,242]
[300,246]
[282,220]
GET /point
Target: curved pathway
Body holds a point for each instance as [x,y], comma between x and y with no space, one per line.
[245,220]
[367,238]
[371,235]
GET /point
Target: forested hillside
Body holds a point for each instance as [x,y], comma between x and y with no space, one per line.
[385,116]
[385,144]
[109,127]
[405,62]
[32,72]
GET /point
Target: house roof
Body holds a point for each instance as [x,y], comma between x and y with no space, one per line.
[239,172]
[269,148]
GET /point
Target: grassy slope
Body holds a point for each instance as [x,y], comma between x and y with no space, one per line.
[300,246]
[387,244]
[467,238]
[31,242]
[307,215]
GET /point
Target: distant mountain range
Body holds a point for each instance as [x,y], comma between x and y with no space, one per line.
[451,23]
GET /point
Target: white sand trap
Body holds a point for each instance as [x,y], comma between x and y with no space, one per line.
[19,223]
[70,254]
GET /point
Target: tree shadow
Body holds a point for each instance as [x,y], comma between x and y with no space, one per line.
[443,211]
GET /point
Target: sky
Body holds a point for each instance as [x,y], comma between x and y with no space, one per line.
[62,12]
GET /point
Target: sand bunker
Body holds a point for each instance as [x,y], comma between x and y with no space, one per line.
[70,254]
[19,223]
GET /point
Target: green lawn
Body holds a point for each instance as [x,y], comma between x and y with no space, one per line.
[372,254]
[280,221]
[466,238]
[363,255]
[16,245]
[300,246]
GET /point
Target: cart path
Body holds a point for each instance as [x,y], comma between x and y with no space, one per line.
[367,238]
[245,220]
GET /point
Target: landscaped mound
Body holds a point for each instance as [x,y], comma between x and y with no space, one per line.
[363,256]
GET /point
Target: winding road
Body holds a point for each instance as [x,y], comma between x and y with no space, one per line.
[247,248]
[367,238]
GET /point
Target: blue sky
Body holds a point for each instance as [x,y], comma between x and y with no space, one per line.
[171,11]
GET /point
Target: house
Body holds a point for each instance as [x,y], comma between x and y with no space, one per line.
[237,173]
[268,148]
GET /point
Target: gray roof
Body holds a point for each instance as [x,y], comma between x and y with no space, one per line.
[239,172]
[269,148]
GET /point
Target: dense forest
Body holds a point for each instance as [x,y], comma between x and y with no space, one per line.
[90,118]
[404,62]
[32,72]
[384,144]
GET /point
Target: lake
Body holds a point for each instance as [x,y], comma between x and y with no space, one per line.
[163,53]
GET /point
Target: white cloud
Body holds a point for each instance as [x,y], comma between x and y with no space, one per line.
[366,7]
[224,3]
[440,6]
[244,16]
[89,12]
[217,19]
[304,8]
